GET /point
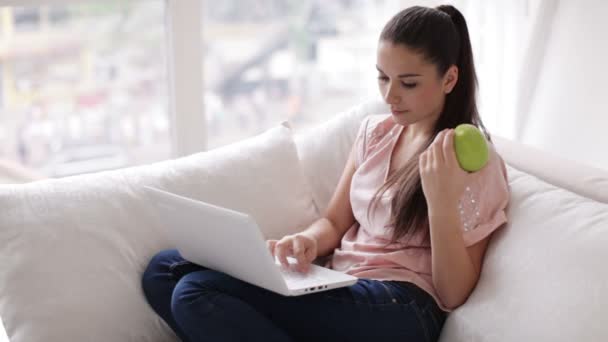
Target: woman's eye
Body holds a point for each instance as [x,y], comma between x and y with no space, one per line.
[409,85]
[383,78]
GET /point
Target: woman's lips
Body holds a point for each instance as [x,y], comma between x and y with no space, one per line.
[398,112]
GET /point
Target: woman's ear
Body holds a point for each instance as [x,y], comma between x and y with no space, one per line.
[450,79]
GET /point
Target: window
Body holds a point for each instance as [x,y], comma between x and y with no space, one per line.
[303,61]
[58,14]
[76,103]
[263,61]
[26,18]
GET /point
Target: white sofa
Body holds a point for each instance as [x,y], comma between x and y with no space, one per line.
[72,250]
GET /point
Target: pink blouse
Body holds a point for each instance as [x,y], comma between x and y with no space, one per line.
[364,252]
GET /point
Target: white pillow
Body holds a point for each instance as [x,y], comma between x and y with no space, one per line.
[544,276]
[73,250]
[324,149]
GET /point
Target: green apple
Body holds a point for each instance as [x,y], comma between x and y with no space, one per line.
[471,147]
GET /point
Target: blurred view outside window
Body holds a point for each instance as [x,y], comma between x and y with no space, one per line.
[299,60]
[83,86]
[307,60]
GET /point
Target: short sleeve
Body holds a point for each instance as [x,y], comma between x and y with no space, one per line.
[484,202]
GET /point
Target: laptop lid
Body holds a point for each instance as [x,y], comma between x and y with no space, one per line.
[218,238]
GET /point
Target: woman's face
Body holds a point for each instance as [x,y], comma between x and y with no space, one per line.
[412,86]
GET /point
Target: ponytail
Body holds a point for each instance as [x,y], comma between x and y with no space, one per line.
[464,95]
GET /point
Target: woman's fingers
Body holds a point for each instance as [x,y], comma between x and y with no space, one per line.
[440,156]
[299,252]
[423,160]
[448,148]
[299,247]
[311,252]
[271,245]
[283,249]
[432,158]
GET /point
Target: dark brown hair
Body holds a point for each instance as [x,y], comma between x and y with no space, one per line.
[441,36]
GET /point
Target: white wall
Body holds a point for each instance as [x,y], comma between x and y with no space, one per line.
[569,110]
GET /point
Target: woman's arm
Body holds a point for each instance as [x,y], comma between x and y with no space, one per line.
[455,268]
[325,234]
[338,218]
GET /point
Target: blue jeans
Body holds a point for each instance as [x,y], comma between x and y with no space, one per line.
[200,304]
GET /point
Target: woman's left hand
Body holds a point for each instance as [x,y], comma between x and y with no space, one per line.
[443,180]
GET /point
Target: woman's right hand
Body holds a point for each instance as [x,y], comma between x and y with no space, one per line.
[299,246]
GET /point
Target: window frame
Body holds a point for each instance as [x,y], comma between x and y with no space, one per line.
[184,41]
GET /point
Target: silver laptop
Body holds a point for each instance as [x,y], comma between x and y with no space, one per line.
[231,242]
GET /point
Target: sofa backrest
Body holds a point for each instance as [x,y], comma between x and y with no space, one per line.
[573,176]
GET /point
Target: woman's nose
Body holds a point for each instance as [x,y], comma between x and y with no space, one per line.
[390,97]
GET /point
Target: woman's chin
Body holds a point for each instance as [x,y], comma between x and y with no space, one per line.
[400,119]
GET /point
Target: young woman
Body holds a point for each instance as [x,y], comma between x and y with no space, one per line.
[405,218]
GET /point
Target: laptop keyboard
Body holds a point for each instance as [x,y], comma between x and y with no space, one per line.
[298,279]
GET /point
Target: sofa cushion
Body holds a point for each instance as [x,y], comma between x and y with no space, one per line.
[543,276]
[73,250]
